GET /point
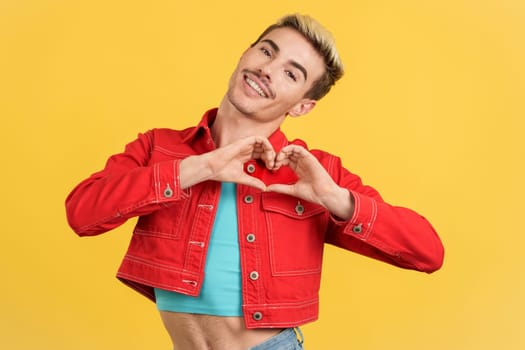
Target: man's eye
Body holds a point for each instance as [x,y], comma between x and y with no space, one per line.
[291,75]
[266,52]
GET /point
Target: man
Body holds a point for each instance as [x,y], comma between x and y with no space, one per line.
[233,217]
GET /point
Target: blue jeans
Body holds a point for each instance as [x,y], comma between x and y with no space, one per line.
[286,340]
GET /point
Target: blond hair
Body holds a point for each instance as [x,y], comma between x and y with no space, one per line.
[322,41]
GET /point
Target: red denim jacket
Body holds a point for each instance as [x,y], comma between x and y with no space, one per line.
[281,238]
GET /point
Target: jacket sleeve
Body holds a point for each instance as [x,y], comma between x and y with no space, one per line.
[392,234]
[127,187]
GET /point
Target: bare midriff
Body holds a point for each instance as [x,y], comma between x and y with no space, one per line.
[205,332]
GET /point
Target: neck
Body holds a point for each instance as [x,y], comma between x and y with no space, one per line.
[231,125]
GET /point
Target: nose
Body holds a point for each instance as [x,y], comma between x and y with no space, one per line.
[265,71]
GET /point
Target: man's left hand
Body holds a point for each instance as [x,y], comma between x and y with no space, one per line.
[314,184]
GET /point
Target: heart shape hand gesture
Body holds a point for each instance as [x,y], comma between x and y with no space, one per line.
[226,164]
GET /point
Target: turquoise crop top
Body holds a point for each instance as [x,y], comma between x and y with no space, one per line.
[221,289]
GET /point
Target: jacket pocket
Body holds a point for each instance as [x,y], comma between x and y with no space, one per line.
[164,223]
[296,232]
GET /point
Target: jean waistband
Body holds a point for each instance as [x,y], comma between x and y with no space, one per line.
[290,336]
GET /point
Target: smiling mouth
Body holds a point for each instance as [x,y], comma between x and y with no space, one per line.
[256,87]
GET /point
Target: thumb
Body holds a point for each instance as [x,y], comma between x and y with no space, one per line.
[252,181]
[280,188]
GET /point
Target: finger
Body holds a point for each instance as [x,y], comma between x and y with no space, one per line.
[280,160]
[263,150]
[263,143]
[285,157]
[252,181]
[284,154]
[280,188]
[269,158]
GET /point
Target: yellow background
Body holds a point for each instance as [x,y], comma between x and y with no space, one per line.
[430,113]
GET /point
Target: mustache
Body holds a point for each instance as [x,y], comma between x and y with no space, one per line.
[261,78]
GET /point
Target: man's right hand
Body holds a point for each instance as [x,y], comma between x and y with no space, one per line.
[226,164]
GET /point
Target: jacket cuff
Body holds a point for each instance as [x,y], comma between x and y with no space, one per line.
[166,182]
[365,214]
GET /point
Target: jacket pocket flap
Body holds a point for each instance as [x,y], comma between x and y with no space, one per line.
[290,206]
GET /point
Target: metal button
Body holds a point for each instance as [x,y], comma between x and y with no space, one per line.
[250,168]
[168,192]
[250,237]
[299,209]
[257,316]
[254,275]
[358,228]
[248,199]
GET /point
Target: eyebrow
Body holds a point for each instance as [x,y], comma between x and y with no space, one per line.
[296,64]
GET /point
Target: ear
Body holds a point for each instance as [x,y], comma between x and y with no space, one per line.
[302,107]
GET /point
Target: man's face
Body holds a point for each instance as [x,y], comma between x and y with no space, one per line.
[272,77]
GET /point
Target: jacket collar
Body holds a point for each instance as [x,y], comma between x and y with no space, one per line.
[277,138]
